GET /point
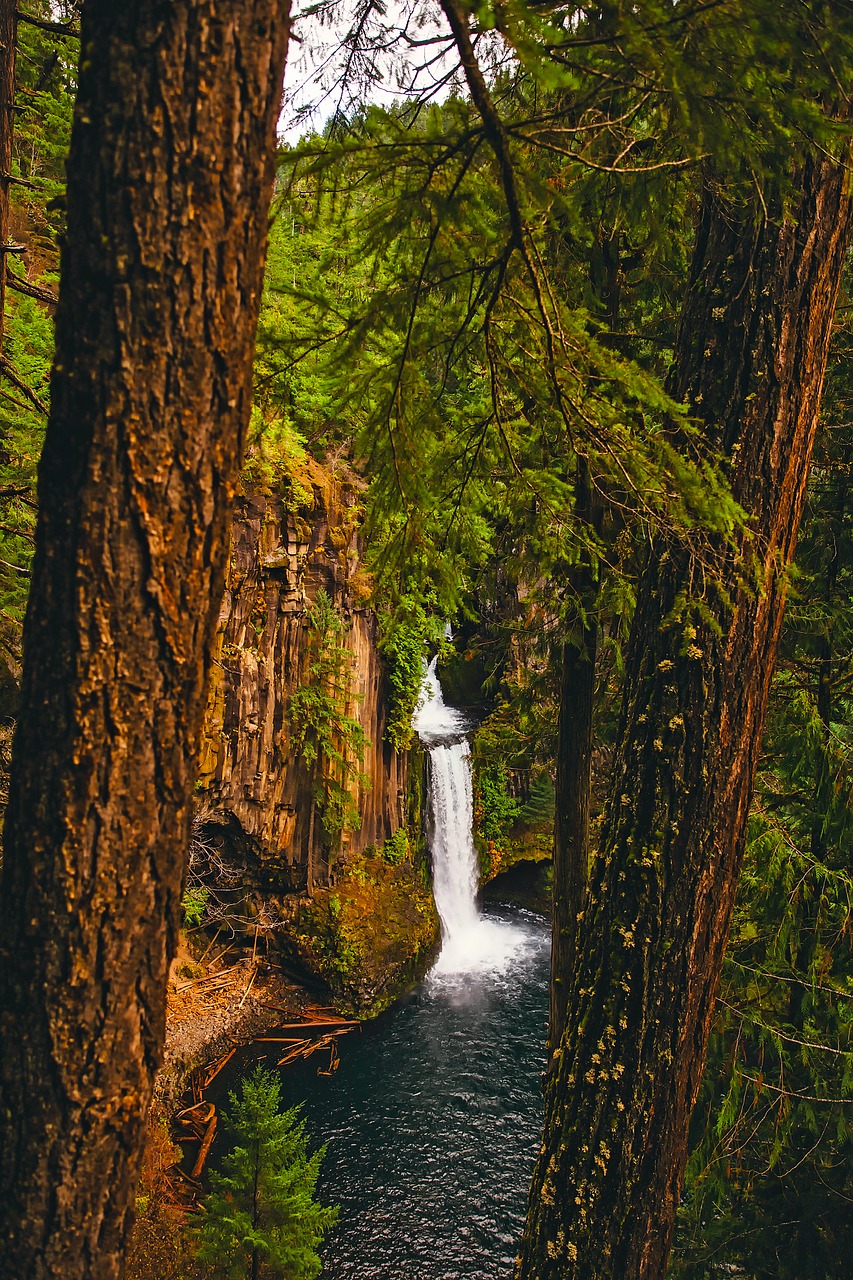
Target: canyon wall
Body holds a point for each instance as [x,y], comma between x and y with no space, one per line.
[260,796]
[255,782]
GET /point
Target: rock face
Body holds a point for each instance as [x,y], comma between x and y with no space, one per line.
[280,560]
[261,802]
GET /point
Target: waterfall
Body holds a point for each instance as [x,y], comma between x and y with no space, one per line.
[469,941]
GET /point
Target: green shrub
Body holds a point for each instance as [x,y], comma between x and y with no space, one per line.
[406,638]
[261,1217]
[496,810]
[193,904]
[396,848]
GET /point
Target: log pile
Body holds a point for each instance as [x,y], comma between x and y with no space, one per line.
[319,1030]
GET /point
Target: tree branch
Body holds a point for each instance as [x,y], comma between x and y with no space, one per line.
[31,290]
[65,29]
[8,372]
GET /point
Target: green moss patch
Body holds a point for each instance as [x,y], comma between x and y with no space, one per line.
[371,937]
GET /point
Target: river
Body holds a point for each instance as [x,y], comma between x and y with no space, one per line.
[432,1121]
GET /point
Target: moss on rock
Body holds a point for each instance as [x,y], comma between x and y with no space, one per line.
[370,937]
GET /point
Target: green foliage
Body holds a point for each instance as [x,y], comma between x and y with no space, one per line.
[771,1173]
[495,810]
[372,936]
[539,805]
[46,70]
[276,459]
[396,848]
[28,347]
[44,103]
[193,905]
[407,634]
[323,730]
[261,1217]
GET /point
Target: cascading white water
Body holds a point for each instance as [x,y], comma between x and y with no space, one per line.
[469,942]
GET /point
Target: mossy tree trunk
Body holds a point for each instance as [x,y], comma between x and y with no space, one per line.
[750,358]
[169,182]
[574,767]
[573,801]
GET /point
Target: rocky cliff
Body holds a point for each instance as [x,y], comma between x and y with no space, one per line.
[266,780]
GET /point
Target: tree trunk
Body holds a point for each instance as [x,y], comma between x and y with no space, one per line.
[8,42]
[750,358]
[574,773]
[169,181]
[577,707]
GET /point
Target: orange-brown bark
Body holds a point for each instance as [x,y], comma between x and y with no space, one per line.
[750,359]
[169,181]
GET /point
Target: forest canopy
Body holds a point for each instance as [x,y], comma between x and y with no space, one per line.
[556,286]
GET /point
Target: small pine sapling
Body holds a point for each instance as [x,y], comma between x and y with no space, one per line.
[261,1219]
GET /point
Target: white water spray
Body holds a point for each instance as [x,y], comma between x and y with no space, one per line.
[469,942]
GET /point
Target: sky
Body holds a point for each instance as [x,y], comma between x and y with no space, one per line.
[412,59]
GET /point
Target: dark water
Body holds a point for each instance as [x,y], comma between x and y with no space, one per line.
[432,1122]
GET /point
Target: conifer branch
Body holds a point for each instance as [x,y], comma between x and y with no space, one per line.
[8,372]
[31,290]
[65,29]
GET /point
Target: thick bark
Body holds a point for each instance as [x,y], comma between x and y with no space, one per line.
[577,709]
[574,774]
[169,181]
[750,358]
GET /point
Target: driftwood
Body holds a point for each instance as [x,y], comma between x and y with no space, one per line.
[326,1027]
[334,1062]
[204,1149]
[214,1069]
[248,989]
[279,1040]
[305,1048]
[199,1114]
[211,977]
[301,1049]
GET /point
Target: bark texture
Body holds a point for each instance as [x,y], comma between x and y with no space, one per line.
[750,358]
[574,774]
[169,182]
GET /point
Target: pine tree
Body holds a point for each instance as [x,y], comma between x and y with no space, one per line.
[261,1218]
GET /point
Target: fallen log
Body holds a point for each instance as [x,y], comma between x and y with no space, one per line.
[211,977]
[334,1062]
[215,1068]
[305,1048]
[279,1040]
[305,1029]
[204,1149]
[197,1085]
[200,1113]
[300,1050]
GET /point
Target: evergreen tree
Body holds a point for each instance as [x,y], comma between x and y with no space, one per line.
[261,1218]
[770,1179]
